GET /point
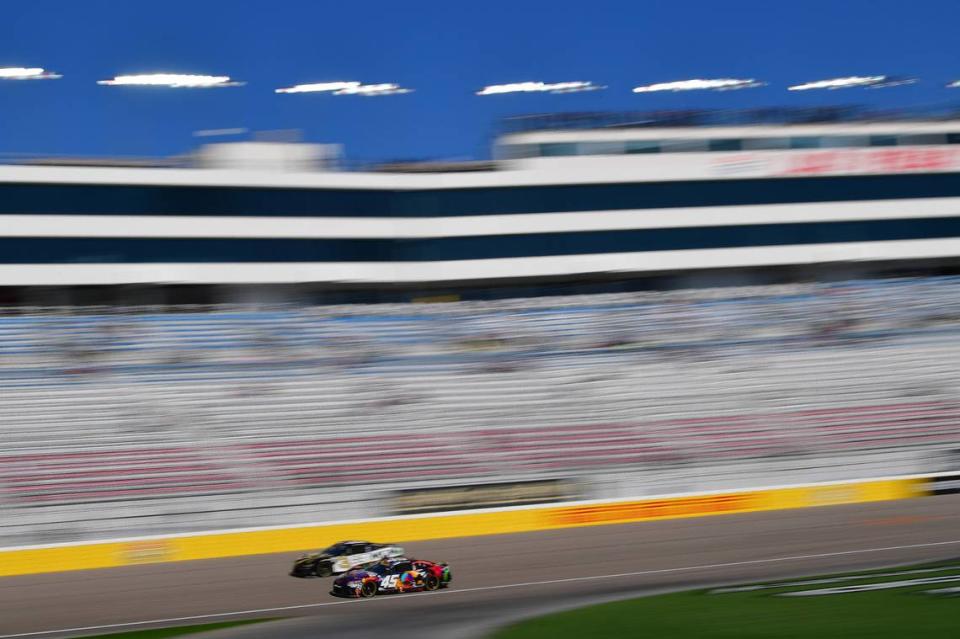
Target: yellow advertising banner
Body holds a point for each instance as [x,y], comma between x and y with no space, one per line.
[40,559]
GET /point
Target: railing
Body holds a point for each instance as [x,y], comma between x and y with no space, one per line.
[704,117]
[187,161]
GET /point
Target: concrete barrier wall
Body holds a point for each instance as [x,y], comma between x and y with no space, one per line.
[134,551]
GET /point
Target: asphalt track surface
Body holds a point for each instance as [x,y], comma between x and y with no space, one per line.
[496,578]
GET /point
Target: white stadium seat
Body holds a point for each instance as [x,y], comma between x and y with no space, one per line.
[133,415]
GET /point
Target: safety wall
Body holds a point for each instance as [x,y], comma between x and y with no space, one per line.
[145,550]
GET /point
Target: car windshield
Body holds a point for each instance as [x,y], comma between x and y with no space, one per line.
[379,569]
[336,549]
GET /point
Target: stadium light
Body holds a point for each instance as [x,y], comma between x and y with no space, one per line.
[719,84]
[346,88]
[318,87]
[892,81]
[875,81]
[27,73]
[172,80]
[540,87]
[207,133]
[373,89]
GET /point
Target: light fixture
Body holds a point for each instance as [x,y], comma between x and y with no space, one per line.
[842,83]
[172,80]
[540,87]
[699,84]
[346,88]
[27,73]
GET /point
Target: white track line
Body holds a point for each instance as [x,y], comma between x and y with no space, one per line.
[497,587]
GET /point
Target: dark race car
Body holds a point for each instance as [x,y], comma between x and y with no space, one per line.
[393,576]
[341,557]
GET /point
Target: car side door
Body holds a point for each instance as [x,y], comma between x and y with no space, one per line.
[357,555]
[392,551]
[390,582]
[375,552]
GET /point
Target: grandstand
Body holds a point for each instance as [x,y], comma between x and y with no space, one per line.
[632,304]
[166,419]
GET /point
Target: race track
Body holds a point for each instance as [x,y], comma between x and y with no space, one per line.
[495,577]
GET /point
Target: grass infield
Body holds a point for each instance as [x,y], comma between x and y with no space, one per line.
[179,631]
[915,602]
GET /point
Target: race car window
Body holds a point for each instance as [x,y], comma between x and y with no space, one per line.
[355,549]
[402,567]
[379,569]
[336,549]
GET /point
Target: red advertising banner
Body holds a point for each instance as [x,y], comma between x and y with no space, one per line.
[871,161]
[838,162]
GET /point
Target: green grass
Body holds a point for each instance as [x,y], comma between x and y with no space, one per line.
[162,633]
[901,613]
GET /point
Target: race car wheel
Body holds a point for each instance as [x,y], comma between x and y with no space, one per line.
[323,569]
[431,582]
[368,589]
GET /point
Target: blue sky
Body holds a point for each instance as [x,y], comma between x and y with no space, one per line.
[445,50]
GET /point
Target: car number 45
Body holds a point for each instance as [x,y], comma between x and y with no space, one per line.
[390,581]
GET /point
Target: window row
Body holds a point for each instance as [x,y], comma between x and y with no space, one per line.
[77,199]
[161,250]
[626,147]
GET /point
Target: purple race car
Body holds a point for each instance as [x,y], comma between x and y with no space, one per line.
[394,575]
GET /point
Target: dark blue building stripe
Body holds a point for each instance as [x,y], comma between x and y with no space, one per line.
[135,250]
[79,199]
